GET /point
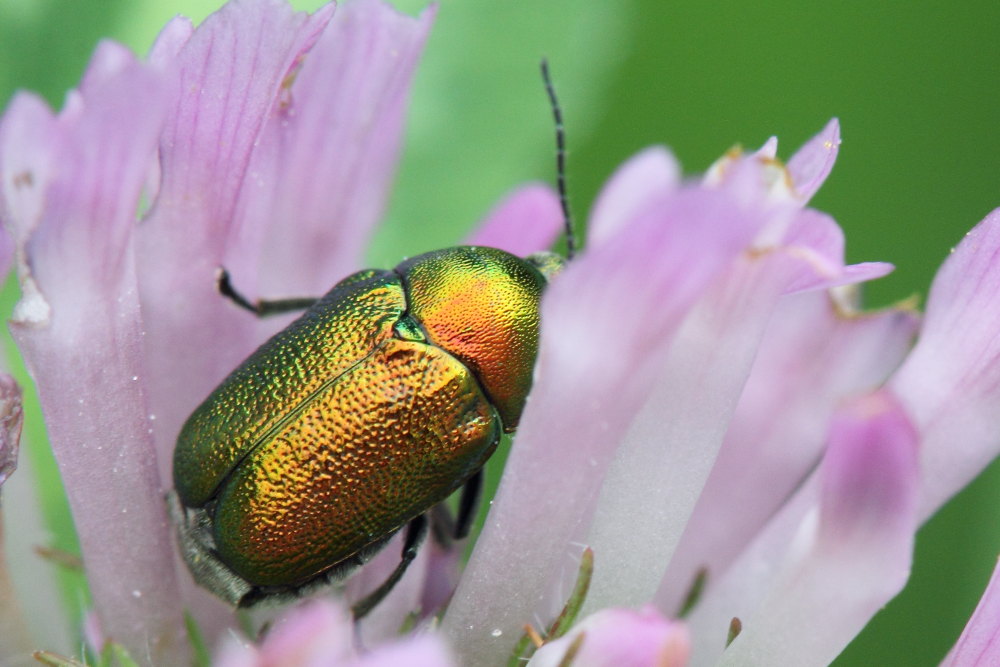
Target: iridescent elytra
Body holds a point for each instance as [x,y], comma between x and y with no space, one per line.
[388,394]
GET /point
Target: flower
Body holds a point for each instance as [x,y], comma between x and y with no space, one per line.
[621,637]
[710,405]
[222,130]
[320,633]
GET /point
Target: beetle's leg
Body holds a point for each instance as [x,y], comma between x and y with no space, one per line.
[260,308]
[468,504]
[442,525]
[446,529]
[416,531]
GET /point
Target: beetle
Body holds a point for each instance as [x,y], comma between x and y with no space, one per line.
[359,419]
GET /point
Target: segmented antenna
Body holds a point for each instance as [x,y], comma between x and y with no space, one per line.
[560,160]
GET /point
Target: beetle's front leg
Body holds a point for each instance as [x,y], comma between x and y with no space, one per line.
[416,532]
[260,308]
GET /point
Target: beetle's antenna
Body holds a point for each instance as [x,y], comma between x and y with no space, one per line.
[560,160]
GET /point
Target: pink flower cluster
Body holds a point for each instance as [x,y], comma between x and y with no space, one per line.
[710,402]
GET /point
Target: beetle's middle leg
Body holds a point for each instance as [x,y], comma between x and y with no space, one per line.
[468,505]
[444,527]
[416,532]
[261,308]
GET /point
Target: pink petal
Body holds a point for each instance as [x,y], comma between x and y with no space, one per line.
[951,381]
[527,220]
[611,312]
[812,163]
[28,135]
[834,554]
[644,179]
[170,41]
[621,638]
[38,595]
[769,150]
[320,634]
[316,634]
[442,576]
[812,356]
[413,651]
[671,446]
[230,73]
[321,172]
[86,354]
[980,641]
[817,241]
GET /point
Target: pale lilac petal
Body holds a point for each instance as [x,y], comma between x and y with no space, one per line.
[950,383]
[26,142]
[980,641]
[832,557]
[671,446]
[621,638]
[769,150]
[861,273]
[320,634]
[317,634]
[668,452]
[633,290]
[642,180]
[236,653]
[527,220]
[817,241]
[813,355]
[171,40]
[414,651]
[38,596]
[230,73]
[320,175]
[14,635]
[812,163]
[442,576]
[86,354]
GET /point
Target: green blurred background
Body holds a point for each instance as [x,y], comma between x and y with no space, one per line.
[913,83]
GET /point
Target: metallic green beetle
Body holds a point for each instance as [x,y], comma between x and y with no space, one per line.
[387,395]
[360,418]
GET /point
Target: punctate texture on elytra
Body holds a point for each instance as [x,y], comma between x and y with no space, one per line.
[375,405]
[390,438]
[280,377]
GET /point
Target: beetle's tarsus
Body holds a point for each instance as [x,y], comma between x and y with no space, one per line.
[416,532]
[226,289]
[260,308]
